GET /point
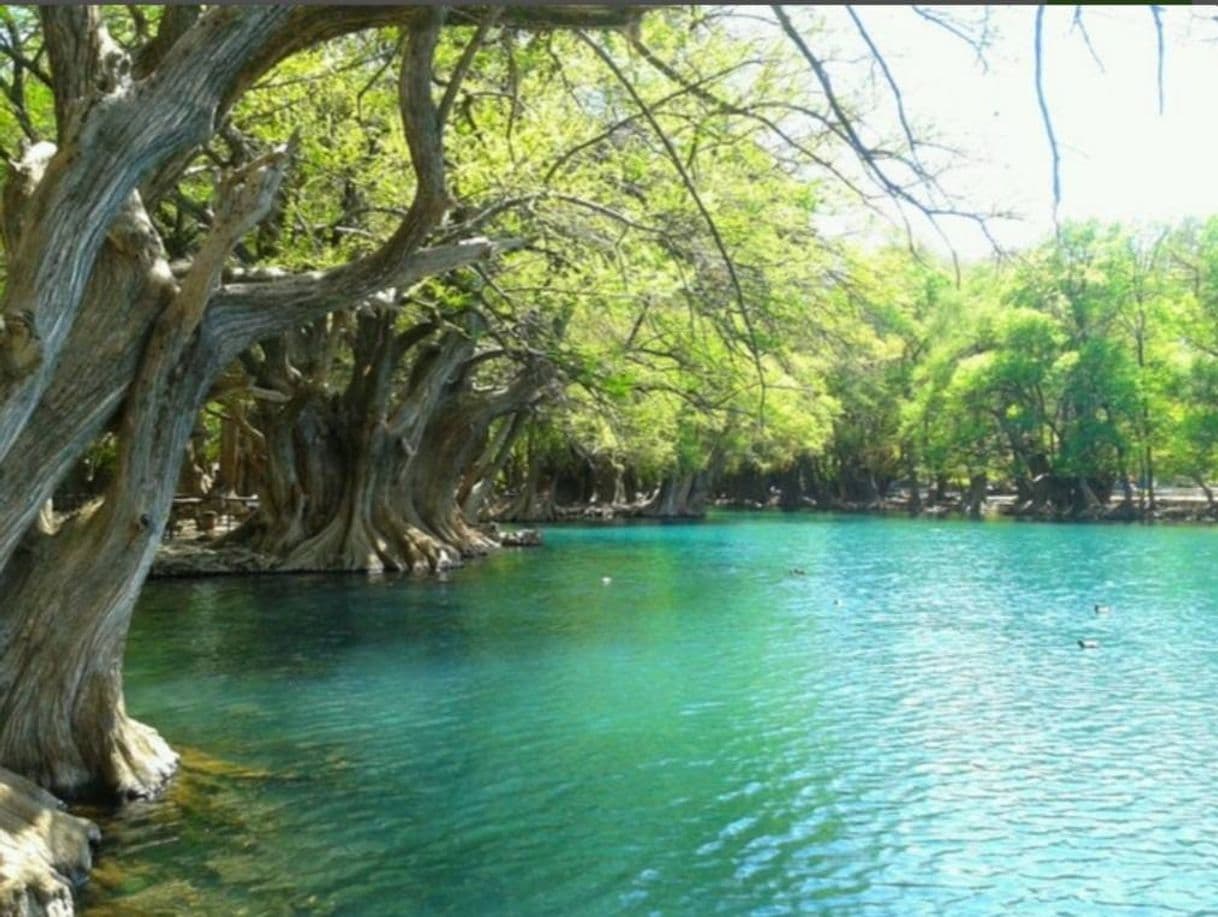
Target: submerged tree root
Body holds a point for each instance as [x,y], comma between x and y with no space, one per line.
[44,851]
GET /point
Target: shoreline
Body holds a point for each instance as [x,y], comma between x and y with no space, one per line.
[192,558]
[1166,512]
[195,558]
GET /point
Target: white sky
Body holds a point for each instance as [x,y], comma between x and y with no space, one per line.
[1121,159]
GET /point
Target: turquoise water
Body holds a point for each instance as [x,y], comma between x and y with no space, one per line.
[910,727]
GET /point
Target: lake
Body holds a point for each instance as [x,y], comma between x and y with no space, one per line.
[908,727]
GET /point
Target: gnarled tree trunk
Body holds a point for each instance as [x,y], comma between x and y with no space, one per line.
[682,495]
[335,492]
[451,445]
[479,481]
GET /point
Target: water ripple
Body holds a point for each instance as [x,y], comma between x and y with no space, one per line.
[911,728]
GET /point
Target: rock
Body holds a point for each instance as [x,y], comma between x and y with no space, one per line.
[521,538]
[197,558]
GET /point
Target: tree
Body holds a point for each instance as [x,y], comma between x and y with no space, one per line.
[96,330]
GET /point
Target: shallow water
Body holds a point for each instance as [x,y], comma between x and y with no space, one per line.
[910,727]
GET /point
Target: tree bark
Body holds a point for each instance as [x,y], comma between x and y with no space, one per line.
[681,495]
[335,489]
[976,494]
[480,481]
[62,717]
[451,444]
[1199,480]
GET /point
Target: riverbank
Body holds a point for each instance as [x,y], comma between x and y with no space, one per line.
[1174,508]
[193,553]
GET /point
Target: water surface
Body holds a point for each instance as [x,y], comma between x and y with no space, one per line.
[909,727]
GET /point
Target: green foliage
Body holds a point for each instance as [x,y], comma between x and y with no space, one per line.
[1095,354]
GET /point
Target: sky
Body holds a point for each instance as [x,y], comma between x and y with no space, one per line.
[1121,159]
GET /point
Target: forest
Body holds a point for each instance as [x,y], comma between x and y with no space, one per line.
[367,283]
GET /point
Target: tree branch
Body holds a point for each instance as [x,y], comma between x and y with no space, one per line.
[463,65]
[892,83]
[83,58]
[247,313]
[175,21]
[675,158]
[1044,109]
[242,200]
[1157,13]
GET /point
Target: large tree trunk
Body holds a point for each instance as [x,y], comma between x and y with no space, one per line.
[129,285]
[682,495]
[69,600]
[975,502]
[335,493]
[479,482]
[451,445]
[64,723]
[70,595]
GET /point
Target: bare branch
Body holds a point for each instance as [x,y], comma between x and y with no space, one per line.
[79,47]
[247,313]
[979,44]
[892,83]
[685,89]
[751,113]
[1077,23]
[871,158]
[1157,12]
[242,200]
[1044,110]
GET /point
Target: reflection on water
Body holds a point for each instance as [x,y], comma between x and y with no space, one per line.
[909,728]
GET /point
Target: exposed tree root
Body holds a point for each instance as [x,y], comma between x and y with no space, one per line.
[44,851]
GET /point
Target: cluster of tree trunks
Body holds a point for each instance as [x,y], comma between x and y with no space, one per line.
[812,482]
[821,481]
[540,488]
[384,473]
